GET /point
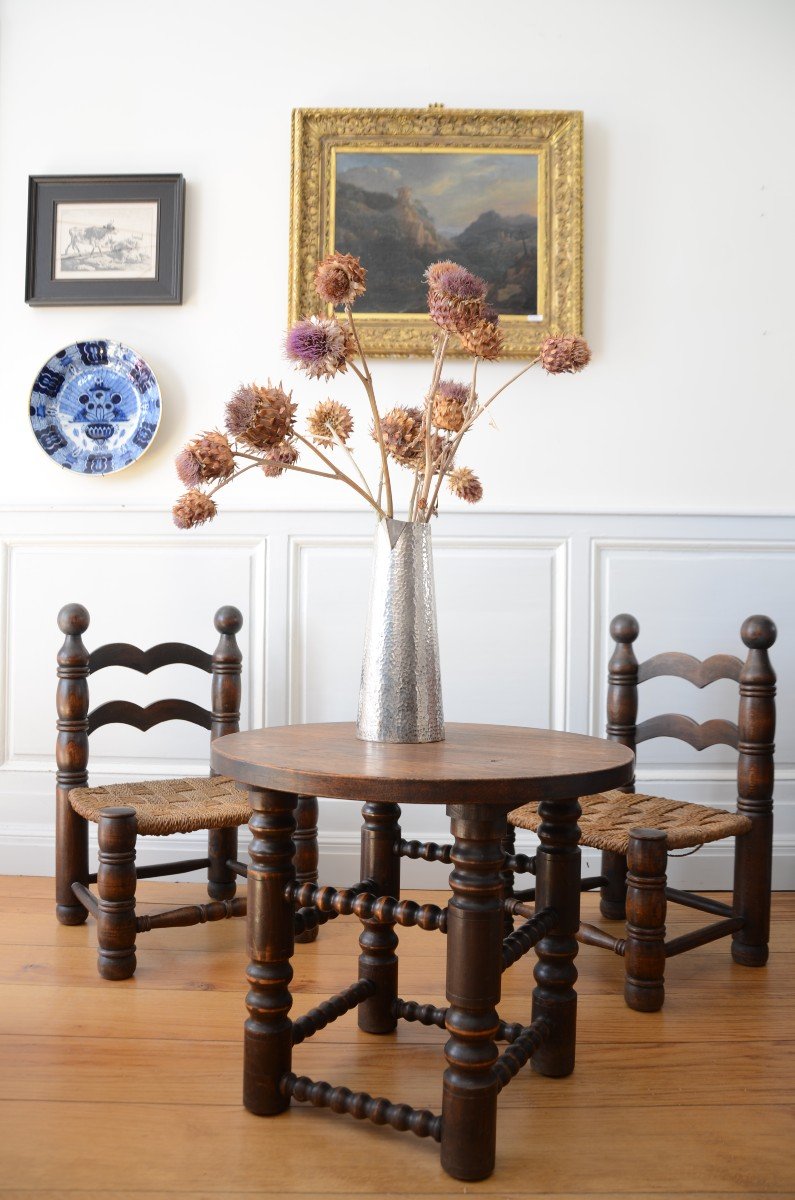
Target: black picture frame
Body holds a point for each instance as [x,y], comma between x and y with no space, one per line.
[47,192]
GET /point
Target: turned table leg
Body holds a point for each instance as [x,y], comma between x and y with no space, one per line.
[306,851]
[508,877]
[378,960]
[558,888]
[474,968]
[268,1030]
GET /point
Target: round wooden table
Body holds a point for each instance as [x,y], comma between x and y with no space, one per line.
[480,772]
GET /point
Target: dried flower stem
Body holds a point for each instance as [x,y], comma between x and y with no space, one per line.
[450,448]
[414,491]
[229,478]
[338,474]
[500,390]
[422,500]
[287,466]
[353,462]
[367,380]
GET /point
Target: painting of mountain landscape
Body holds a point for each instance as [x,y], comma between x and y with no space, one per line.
[400,211]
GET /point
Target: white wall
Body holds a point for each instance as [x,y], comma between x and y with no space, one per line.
[689,199]
[688,269]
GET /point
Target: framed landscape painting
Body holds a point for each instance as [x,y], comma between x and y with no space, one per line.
[499,192]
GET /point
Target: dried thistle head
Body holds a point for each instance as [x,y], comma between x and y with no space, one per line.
[241,408]
[278,459]
[327,419]
[207,457]
[403,431]
[403,434]
[447,315]
[320,346]
[483,340]
[456,297]
[456,283]
[437,269]
[273,417]
[340,279]
[449,401]
[564,355]
[465,484]
[192,509]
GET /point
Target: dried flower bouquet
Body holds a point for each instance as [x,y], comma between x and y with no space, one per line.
[261,429]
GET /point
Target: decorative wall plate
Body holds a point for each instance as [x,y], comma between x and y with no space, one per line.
[95,407]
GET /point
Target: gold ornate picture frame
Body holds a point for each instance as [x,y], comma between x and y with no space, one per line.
[499,191]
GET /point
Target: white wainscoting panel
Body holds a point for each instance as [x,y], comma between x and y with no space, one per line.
[141,592]
[524,604]
[693,596]
[502,620]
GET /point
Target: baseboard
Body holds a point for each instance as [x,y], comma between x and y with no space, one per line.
[30,850]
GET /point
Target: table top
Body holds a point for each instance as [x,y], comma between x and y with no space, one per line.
[476,764]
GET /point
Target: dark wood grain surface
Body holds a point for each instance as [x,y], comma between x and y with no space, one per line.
[481,764]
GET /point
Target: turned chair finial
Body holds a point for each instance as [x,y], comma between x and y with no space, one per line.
[758,632]
[624,628]
[73,619]
[228,619]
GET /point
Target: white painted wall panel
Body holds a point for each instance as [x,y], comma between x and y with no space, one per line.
[694,597]
[523,606]
[688,229]
[142,592]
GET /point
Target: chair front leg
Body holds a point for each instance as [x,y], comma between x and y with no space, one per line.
[116,928]
[644,957]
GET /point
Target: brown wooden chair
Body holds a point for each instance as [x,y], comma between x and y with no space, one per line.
[635,832]
[159,807]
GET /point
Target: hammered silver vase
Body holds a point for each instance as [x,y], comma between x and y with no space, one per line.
[400,698]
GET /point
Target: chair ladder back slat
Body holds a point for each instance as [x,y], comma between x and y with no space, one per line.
[695,670]
[124,712]
[699,736]
[165,654]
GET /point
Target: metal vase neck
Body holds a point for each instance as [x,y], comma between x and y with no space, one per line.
[400,699]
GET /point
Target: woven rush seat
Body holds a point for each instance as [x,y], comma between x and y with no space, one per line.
[166,806]
[607,818]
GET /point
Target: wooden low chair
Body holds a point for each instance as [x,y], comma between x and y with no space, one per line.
[635,832]
[159,807]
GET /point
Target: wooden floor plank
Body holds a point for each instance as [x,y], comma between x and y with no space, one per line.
[652,1074]
[693,1103]
[178,1146]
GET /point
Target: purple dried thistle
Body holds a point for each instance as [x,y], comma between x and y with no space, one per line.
[320,346]
[451,389]
[189,469]
[241,409]
[459,284]
[307,342]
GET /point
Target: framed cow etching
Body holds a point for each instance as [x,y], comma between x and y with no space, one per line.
[105,239]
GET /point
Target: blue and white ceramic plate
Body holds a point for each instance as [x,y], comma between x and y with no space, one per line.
[95,407]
